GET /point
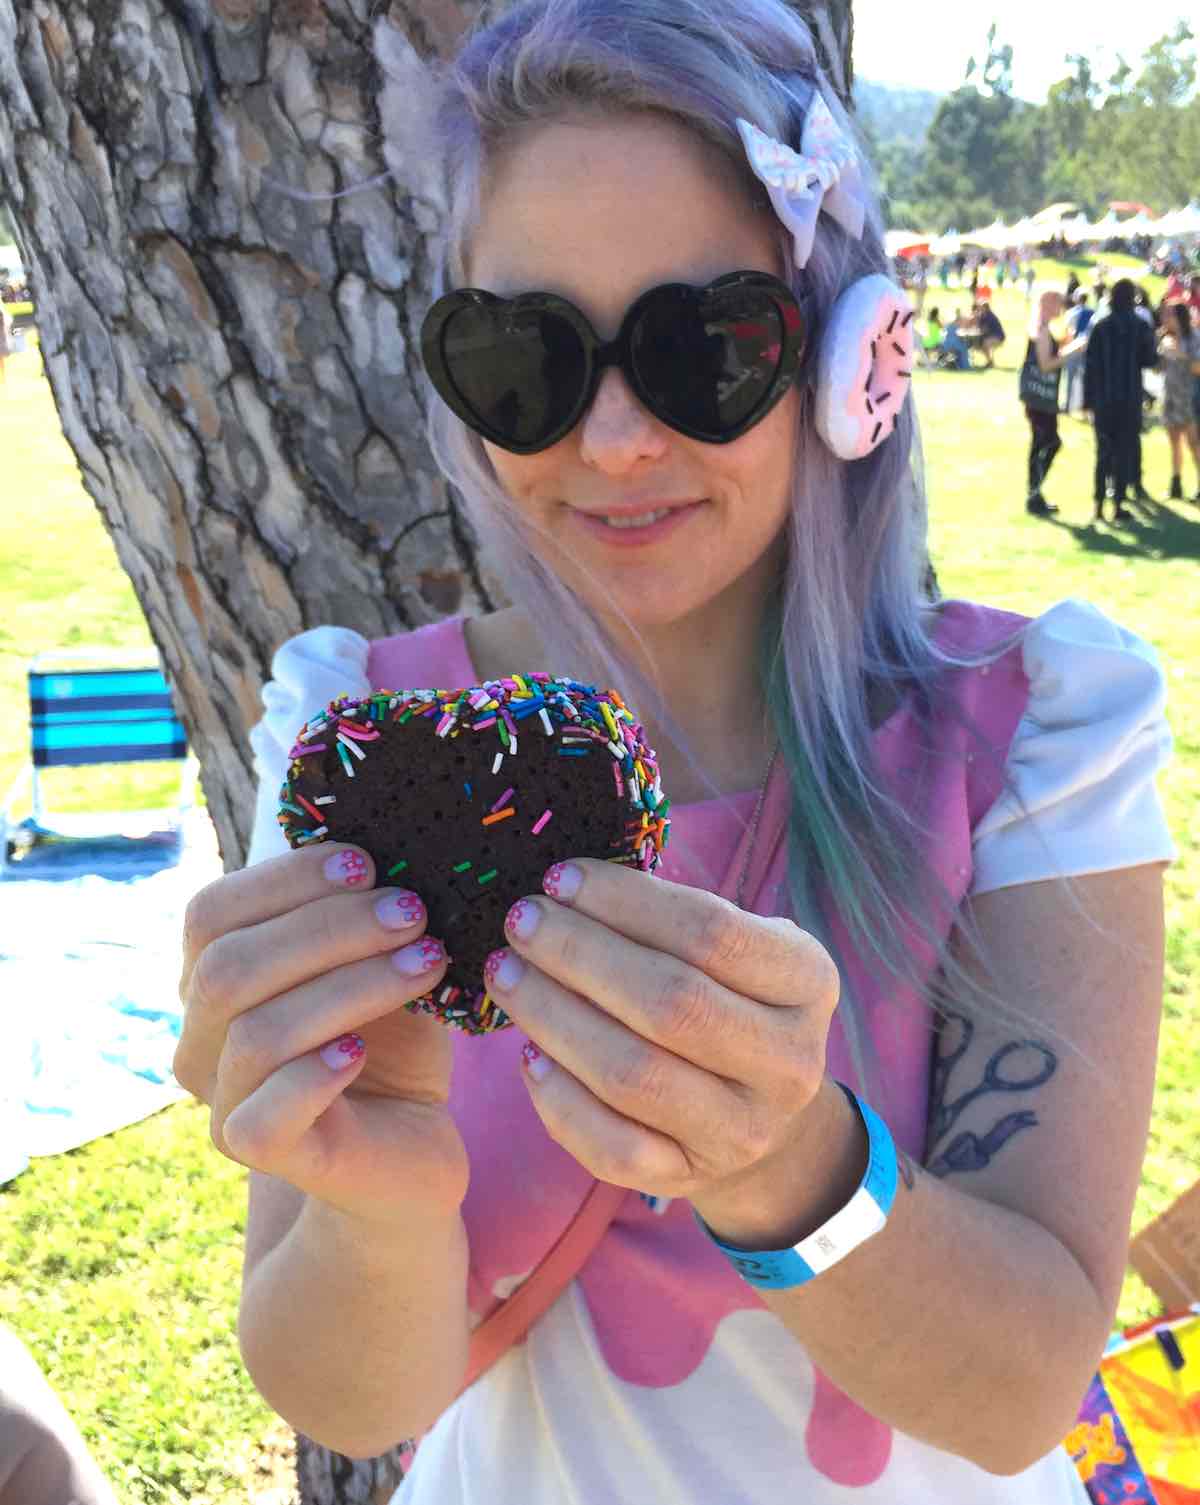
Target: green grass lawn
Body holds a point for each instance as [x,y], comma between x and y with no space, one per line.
[119,1262]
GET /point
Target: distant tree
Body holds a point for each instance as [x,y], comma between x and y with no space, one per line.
[1162,90]
[1069,119]
[977,154]
[996,72]
[1134,134]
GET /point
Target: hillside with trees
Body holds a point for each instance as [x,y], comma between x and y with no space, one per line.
[980,152]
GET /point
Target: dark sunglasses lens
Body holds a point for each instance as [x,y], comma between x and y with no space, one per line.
[518,370]
[708,361]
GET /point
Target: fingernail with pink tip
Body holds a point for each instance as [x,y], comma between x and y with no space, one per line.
[343,1052]
[503,970]
[536,1063]
[399,910]
[349,869]
[421,956]
[562,881]
[522,919]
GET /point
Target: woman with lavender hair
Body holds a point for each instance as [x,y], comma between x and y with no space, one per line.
[864,1071]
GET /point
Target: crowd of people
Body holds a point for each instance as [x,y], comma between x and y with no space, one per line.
[1105,354]
[1087,353]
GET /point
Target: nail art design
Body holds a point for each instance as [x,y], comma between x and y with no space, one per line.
[536,1063]
[522,919]
[399,909]
[492,966]
[421,956]
[562,880]
[347,868]
[343,1052]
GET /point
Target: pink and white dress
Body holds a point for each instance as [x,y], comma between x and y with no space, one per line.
[659,1377]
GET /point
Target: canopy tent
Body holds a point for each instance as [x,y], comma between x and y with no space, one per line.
[994,237]
[1076,231]
[1131,206]
[1054,212]
[906,243]
[949,244]
[1142,223]
[1185,221]
[1028,232]
[1047,223]
[10,262]
[1106,228]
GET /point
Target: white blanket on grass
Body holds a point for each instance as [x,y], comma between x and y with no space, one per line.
[89,977]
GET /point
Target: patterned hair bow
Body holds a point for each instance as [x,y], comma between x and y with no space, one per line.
[824,174]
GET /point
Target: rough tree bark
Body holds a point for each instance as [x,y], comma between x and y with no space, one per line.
[236,369]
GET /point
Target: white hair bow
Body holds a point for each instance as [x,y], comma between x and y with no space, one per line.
[824,174]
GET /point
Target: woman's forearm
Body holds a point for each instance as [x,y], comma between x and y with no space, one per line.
[962,1323]
[358,1336]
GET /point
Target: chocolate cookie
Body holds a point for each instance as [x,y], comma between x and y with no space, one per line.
[467,796]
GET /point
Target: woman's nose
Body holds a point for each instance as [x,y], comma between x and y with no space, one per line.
[616,429]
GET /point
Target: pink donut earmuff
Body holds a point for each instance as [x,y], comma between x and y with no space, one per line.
[864,368]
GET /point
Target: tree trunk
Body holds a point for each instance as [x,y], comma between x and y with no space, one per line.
[236,369]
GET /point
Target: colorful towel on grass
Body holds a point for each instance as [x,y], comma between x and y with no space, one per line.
[1137,1441]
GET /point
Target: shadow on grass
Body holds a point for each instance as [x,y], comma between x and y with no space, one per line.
[1155,531]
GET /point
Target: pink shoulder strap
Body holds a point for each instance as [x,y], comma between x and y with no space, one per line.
[509,1323]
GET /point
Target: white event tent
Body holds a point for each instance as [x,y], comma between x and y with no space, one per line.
[1180,222]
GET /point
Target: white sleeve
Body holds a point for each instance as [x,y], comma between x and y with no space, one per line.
[1084,757]
[308,671]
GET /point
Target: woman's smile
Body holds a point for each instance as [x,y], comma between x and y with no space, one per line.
[637,529]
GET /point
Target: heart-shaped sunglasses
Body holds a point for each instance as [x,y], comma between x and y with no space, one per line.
[710,362]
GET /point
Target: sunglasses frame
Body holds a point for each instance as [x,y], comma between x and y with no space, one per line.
[599,354]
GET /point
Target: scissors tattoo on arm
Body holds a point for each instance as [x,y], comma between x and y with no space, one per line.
[1019,1066]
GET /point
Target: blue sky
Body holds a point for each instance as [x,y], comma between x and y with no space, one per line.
[929,48]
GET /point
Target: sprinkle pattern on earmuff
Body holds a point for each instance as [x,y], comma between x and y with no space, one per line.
[864,369]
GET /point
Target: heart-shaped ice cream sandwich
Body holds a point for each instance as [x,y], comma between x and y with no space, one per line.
[467,796]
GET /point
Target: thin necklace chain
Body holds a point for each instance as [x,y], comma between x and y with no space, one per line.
[758,809]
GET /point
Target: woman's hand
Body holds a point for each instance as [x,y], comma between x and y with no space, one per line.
[682,1040]
[284,964]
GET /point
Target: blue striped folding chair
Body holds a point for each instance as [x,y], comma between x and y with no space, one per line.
[79,716]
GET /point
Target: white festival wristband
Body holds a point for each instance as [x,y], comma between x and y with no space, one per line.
[863,1216]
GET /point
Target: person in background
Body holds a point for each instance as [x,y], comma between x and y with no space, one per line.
[920,284]
[1120,347]
[1079,320]
[43,1457]
[1030,278]
[954,346]
[6,341]
[1045,442]
[1179,351]
[931,340]
[991,333]
[1143,307]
